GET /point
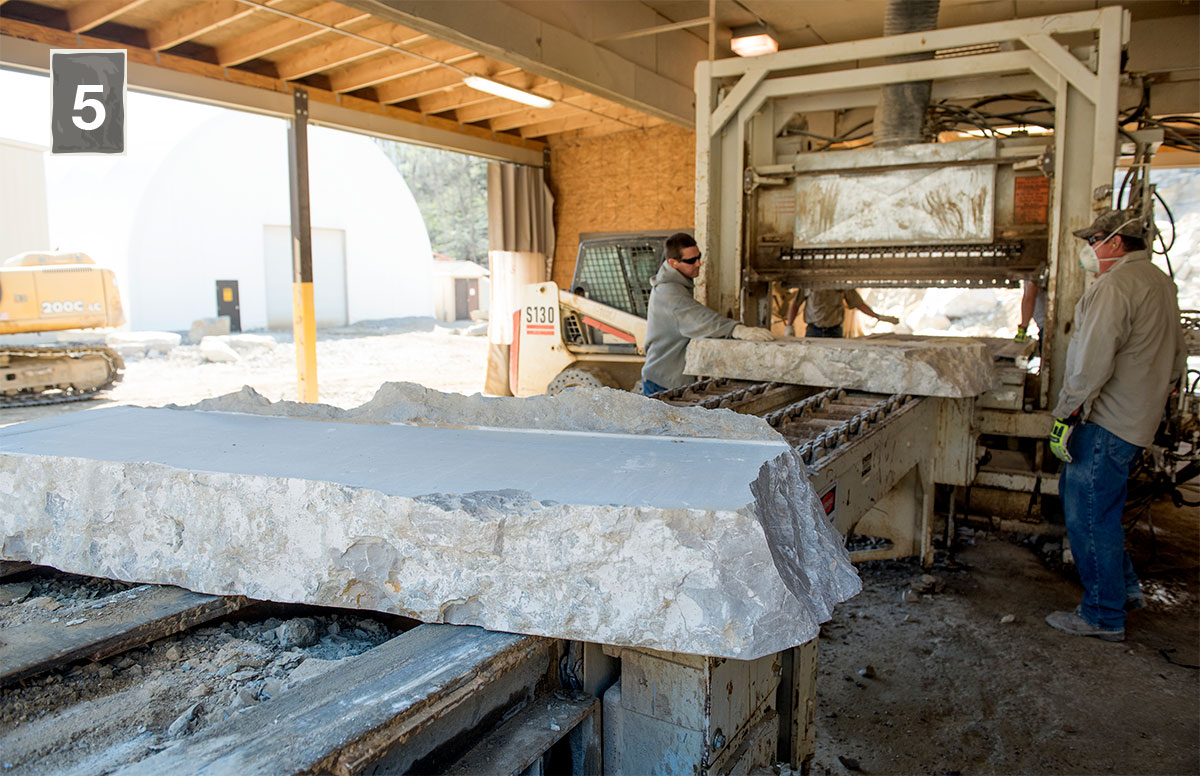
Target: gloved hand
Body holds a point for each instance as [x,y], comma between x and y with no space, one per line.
[889,319]
[1021,334]
[752,334]
[1060,432]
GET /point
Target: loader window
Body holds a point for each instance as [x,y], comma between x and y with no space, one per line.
[617,271]
[601,273]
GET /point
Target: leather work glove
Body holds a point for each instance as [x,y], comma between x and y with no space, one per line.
[1021,335]
[889,319]
[1060,432]
[752,334]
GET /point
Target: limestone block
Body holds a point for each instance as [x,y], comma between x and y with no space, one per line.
[686,544]
[251,344]
[955,367]
[217,350]
[208,327]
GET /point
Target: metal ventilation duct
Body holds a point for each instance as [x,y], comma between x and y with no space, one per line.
[900,116]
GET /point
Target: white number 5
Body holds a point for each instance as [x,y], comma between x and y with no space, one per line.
[82,102]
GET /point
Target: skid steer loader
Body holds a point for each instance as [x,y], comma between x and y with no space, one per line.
[595,333]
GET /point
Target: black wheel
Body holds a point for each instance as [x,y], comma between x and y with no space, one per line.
[580,377]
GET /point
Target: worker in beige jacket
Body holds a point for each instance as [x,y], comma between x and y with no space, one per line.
[1125,355]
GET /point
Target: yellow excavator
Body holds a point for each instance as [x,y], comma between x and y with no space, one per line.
[41,292]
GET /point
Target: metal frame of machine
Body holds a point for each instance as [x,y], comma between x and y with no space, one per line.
[1072,61]
[742,102]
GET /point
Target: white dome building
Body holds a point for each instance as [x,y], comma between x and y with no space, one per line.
[218,209]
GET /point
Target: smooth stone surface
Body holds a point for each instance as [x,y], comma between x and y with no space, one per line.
[702,546]
[955,367]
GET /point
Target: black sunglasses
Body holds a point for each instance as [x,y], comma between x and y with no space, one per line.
[1096,238]
[692,260]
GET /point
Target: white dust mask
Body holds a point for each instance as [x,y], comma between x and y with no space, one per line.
[1087,252]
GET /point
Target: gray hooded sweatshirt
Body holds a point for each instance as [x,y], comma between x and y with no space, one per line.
[674,317]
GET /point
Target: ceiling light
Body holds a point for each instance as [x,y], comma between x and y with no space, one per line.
[753,40]
[507,92]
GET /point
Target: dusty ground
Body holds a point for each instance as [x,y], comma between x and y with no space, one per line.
[955,689]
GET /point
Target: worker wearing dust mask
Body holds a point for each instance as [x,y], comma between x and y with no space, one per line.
[1125,355]
[674,318]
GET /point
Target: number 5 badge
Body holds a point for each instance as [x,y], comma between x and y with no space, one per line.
[88,101]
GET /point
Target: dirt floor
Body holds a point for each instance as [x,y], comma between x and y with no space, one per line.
[969,679]
[957,674]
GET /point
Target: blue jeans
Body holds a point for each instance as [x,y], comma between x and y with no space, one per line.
[814,330]
[1092,488]
[650,387]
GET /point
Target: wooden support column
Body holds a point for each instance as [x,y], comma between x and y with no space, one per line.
[304,322]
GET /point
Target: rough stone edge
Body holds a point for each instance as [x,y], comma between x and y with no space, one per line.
[915,358]
[596,410]
[780,489]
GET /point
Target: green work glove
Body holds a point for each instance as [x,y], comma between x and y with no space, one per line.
[1021,335]
[1060,432]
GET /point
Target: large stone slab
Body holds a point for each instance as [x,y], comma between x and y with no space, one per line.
[696,545]
[955,367]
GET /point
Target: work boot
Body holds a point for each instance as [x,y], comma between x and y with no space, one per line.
[1074,624]
[1135,601]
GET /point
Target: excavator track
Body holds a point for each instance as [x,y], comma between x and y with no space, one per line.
[31,376]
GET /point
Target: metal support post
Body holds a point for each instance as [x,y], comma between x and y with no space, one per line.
[304,322]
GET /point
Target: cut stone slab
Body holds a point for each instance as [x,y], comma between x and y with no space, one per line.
[702,546]
[955,367]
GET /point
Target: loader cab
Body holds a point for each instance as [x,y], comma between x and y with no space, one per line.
[593,335]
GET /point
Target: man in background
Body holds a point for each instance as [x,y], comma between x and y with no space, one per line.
[824,311]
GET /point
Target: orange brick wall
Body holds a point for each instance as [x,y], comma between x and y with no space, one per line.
[641,179]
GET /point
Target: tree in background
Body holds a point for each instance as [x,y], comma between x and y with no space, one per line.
[451,192]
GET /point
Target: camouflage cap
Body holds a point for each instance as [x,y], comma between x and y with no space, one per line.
[1126,222]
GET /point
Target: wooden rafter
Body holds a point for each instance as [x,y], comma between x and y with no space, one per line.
[567,123]
[396,65]
[355,54]
[530,115]
[432,81]
[341,51]
[85,16]
[480,105]
[285,32]
[55,38]
[195,21]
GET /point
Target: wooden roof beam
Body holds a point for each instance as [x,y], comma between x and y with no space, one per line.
[286,32]
[343,50]
[396,65]
[533,115]
[480,105]
[506,32]
[195,21]
[85,16]
[432,81]
[568,123]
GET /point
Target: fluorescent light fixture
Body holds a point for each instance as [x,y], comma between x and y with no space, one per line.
[507,92]
[753,40]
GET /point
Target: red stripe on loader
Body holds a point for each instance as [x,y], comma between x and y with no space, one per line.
[604,327]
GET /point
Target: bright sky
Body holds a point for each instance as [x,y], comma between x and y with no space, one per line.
[152,124]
